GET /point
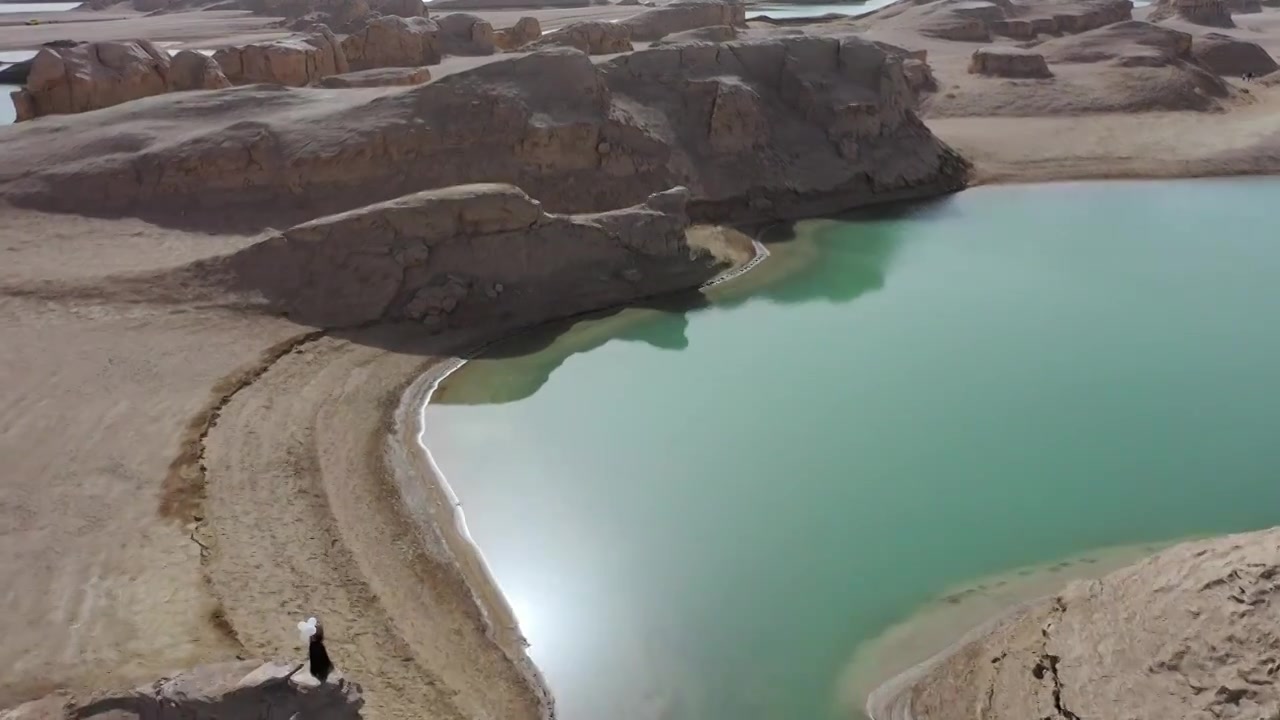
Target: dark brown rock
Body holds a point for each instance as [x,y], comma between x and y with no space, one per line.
[473,255]
[463,34]
[1230,56]
[1008,62]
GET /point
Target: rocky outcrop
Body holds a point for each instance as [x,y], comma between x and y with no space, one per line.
[392,41]
[190,70]
[471,255]
[915,69]
[294,61]
[379,77]
[16,74]
[1213,13]
[89,76]
[756,129]
[1230,56]
[1244,7]
[1186,634]
[463,34]
[525,31]
[240,689]
[682,15]
[1131,44]
[593,37]
[711,33]
[1008,62]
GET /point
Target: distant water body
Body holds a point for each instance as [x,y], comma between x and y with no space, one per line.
[37,7]
[705,513]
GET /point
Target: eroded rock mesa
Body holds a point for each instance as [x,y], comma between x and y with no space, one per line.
[392,41]
[473,254]
[756,129]
[293,61]
[75,78]
[239,689]
[1189,633]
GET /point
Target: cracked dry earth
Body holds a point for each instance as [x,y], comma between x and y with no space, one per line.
[1192,632]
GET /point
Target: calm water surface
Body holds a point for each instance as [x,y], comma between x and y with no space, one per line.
[37,7]
[701,515]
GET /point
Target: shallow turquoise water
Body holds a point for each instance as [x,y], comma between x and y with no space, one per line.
[701,515]
[7,112]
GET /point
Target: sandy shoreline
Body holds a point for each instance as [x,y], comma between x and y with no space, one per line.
[435,508]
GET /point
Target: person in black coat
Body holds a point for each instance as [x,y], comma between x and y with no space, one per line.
[318,657]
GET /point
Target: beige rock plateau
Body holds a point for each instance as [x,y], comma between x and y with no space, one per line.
[755,129]
[1189,633]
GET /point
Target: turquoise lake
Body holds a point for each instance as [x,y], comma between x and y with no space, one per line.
[705,513]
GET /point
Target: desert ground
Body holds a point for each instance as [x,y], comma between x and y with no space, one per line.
[198,453]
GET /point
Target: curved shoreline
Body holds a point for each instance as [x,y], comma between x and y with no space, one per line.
[409,424]
[890,699]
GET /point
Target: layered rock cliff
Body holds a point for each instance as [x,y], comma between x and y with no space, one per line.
[1188,633]
[756,129]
